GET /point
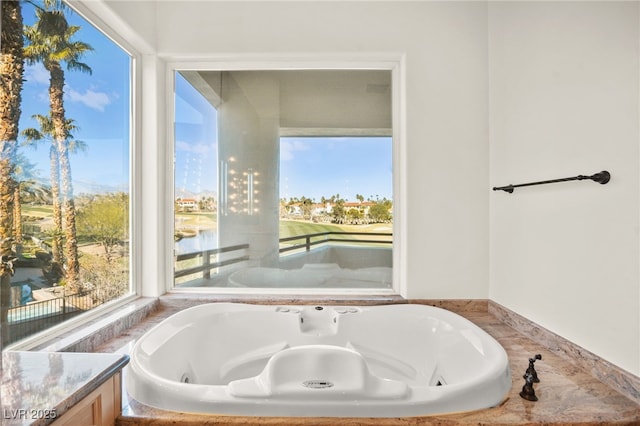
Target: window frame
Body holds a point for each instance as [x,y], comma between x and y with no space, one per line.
[394,62]
[135,269]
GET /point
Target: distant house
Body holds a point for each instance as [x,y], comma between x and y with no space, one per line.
[361,207]
[187,204]
[319,209]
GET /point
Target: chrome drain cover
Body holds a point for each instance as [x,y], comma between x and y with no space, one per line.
[317,384]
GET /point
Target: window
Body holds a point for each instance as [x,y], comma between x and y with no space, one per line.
[70,231]
[247,228]
[324,214]
[196,176]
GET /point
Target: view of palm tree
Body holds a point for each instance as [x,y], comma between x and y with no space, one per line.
[50,42]
[55,243]
[46,132]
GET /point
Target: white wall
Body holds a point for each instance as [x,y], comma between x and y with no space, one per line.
[446,107]
[565,101]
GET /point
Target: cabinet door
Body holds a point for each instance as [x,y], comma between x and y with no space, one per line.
[100,407]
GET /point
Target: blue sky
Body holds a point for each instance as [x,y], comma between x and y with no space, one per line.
[99,103]
[196,141]
[317,167]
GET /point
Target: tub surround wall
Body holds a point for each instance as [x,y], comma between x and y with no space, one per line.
[608,373]
[97,331]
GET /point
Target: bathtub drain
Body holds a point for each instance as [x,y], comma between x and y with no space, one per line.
[317,384]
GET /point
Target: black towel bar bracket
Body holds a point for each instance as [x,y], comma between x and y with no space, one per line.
[602,178]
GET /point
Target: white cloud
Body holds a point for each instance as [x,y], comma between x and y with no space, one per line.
[90,98]
[289,147]
[43,96]
[36,74]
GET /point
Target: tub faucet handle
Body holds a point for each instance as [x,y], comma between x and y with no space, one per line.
[531,370]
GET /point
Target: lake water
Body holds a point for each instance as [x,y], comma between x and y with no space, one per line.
[204,240]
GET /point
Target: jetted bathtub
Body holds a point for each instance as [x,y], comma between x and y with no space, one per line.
[374,361]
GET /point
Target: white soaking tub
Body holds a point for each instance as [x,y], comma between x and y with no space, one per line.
[347,361]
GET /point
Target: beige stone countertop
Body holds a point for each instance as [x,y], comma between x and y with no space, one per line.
[38,387]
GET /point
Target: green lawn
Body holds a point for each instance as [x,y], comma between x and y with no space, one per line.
[290,228]
[44,210]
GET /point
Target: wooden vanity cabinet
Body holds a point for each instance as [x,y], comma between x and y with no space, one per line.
[101,407]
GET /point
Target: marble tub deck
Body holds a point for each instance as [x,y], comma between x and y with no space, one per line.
[567,394]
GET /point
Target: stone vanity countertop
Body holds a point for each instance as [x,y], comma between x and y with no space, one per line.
[38,387]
